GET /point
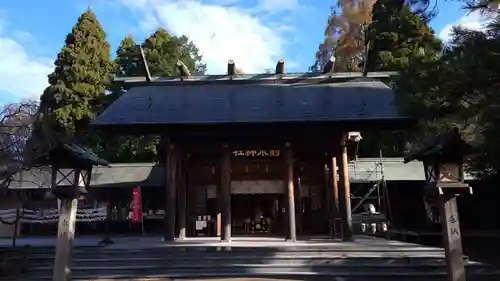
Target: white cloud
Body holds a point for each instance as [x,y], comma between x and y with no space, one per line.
[473,21]
[220,32]
[21,75]
[22,36]
[277,5]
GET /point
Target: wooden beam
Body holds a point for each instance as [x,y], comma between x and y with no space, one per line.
[262,78]
[307,148]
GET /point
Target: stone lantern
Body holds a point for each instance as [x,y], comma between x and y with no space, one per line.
[71,167]
[442,157]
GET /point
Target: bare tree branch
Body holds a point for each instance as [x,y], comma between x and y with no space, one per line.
[16,126]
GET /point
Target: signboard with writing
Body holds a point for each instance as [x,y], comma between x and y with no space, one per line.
[257,153]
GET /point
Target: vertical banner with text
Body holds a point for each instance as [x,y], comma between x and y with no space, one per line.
[136,205]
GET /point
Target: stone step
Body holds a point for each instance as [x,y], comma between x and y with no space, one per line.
[259,277]
[249,270]
[204,266]
[301,250]
[215,261]
[167,253]
[384,245]
[329,255]
[267,277]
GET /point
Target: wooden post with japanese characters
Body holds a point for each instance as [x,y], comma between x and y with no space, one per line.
[442,157]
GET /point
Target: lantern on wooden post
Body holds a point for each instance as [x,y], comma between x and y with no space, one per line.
[442,157]
[71,173]
[72,169]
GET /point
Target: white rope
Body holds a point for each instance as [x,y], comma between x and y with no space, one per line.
[52,215]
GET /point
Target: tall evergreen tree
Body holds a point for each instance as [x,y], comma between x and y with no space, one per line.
[127,60]
[397,34]
[399,38]
[163,50]
[460,89]
[126,63]
[80,78]
[81,75]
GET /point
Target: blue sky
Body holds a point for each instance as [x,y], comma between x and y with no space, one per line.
[254,33]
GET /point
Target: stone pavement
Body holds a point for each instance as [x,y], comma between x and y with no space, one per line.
[361,243]
[263,258]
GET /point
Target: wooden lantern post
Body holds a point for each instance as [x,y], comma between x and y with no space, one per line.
[71,174]
[442,157]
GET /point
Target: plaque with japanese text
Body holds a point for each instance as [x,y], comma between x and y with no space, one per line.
[257,153]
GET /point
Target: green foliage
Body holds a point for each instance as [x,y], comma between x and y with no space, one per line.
[127,63]
[163,51]
[81,76]
[401,41]
[127,59]
[397,35]
[465,94]
[460,88]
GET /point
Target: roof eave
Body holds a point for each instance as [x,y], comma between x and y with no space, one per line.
[251,78]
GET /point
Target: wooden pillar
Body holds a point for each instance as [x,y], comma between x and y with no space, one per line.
[190,201]
[452,237]
[226,193]
[298,211]
[65,237]
[335,187]
[171,172]
[17,222]
[182,180]
[218,206]
[345,192]
[292,231]
[328,199]
[336,228]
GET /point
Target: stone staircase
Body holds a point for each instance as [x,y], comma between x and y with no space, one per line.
[342,261]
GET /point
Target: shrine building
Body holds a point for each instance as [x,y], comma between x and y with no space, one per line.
[246,154]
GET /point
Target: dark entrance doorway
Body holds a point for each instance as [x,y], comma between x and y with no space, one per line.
[257,214]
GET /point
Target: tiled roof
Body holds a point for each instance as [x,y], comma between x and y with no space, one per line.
[115,175]
[448,144]
[84,154]
[251,103]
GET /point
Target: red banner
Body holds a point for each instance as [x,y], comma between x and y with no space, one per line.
[136,205]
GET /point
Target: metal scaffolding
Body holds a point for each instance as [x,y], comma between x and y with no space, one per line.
[369,192]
